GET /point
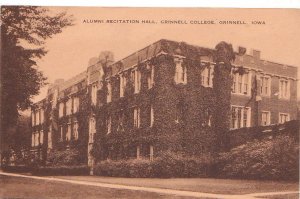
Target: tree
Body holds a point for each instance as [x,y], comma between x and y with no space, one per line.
[24,30]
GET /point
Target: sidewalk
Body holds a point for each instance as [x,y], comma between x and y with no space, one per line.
[152,189]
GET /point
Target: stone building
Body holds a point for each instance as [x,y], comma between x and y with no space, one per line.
[159,98]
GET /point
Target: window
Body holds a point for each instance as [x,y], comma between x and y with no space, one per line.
[138,152]
[284,89]
[68,134]
[151,77]
[42,116]
[108,124]
[180,73]
[50,137]
[136,117]
[32,118]
[69,107]
[92,129]
[121,118]
[241,83]
[61,109]
[240,117]
[37,117]
[109,92]
[265,118]
[207,118]
[94,94]
[137,80]
[284,117]
[61,133]
[207,76]
[122,85]
[32,140]
[92,125]
[151,152]
[41,136]
[75,104]
[151,116]
[75,130]
[36,138]
[265,87]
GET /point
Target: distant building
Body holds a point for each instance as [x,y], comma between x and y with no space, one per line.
[156,99]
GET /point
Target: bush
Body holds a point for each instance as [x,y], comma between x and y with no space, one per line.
[273,159]
[165,166]
[17,169]
[61,170]
[64,157]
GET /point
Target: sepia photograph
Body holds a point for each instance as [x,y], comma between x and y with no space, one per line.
[128,102]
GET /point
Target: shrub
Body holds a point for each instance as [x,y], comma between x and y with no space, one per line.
[61,170]
[165,166]
[273,159]
[64,157]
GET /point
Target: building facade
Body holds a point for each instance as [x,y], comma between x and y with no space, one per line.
[159,98]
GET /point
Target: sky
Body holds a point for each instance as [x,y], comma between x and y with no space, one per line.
[69,52]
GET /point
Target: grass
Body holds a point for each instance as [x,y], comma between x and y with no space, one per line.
[17,187]
[206,185]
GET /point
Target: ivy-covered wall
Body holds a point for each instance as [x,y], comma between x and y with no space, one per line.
[181,113]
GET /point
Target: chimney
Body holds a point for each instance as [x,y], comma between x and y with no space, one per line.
[256,54]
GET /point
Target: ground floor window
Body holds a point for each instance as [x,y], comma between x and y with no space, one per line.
[240,117]
[284,117]
[265,118]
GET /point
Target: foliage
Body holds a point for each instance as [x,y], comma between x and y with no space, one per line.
[64,157]
[222,82]
[61,170]
[24,30]
[166,165]
[274,159]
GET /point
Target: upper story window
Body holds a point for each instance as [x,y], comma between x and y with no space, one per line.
[150,77]
[42,116]
[265,87]
[61,110]
[207,76]
[108,124]
[69,107]
[284,89]
[32,118]
[109,92]
[75,104]
[41,136]
[94,94]
[92,125]
[284,117]
[61,133]
[122,84]
[265,118]
[240,117]
[241,83]
[137,80]
[136,117]
[68,134]
[151,116]
[37,117]
[32,140]
[180,72]
[75,130]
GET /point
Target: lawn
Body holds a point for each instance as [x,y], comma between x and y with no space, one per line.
[18,187]
[206,185]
